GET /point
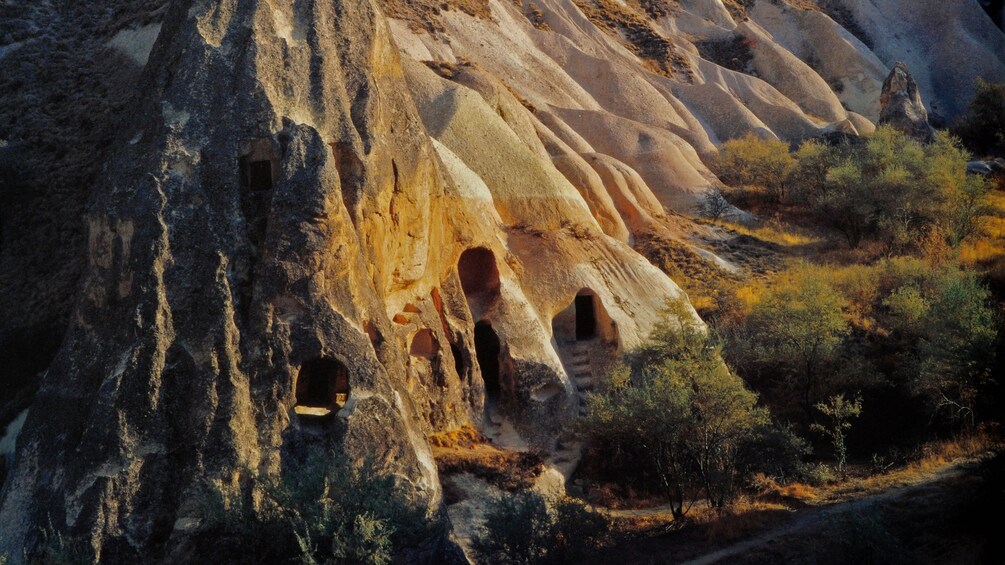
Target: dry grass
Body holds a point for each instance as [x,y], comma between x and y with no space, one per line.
[791,494]
[463,437]
[988,249]
[425,15]
[738,8]
[704,282]
[774,232]
[743,518]
[657,51]
[986,252]
[466,450]
[935,457]
[804,5]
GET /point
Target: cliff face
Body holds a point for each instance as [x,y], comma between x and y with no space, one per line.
[274,226]
[248,226]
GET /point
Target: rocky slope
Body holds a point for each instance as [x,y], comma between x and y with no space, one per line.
[208,206]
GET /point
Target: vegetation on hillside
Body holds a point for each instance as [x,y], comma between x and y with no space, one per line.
[529,528]
[674,419]
[324,509]
[875,331]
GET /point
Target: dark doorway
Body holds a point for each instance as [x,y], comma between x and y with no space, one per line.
[586,318]
[488,350]
[260,176]
[478,272]
[256,179]
[322,383]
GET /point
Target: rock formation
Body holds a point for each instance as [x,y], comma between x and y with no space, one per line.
[247,227]
[234,232]
[902,107]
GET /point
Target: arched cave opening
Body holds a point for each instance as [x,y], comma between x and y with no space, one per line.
[322,383]
[424,344]
[478,273]
[583,320]
[488,350]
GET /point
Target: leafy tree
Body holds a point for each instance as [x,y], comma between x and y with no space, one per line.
[957,349]
[891,187]
[839,412]
[677,408]
[959,198]
[794,335]
[754,162]
[983,127]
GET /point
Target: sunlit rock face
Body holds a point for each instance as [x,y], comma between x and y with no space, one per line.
[248,230]
[280,258]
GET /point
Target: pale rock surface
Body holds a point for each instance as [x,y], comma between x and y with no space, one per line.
[407,211]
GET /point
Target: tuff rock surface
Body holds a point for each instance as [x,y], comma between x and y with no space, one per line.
[902,107]
[200,198]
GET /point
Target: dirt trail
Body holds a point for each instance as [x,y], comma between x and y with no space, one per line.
[813,516]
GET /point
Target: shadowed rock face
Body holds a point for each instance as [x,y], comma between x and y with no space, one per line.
[902,106]
[249,223]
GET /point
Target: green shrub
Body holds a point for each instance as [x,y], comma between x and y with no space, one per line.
[323,509]
[527,528]
[757,163]
[816,474]
[674,416]
[775,451]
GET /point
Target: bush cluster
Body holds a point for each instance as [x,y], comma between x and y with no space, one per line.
[812,332]
[528,528]
[676,419]
[322,510]
[886,187]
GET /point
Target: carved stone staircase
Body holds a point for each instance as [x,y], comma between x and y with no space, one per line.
[577,357]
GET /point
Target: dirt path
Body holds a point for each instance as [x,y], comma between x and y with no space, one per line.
[814,516]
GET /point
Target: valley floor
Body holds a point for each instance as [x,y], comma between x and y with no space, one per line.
[926,513]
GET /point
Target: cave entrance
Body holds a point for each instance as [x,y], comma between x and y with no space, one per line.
[322,387]
[479,279]
[258,168]
[586,317]
[488,350]
[259,175]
